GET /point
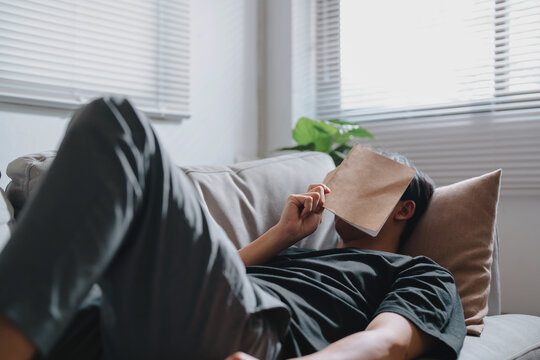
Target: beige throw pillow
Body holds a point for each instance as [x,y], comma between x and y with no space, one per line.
[457,232]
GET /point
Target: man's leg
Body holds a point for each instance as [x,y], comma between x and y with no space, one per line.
[114,209]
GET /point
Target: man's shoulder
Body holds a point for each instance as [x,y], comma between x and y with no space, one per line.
[348,254]
[394,260]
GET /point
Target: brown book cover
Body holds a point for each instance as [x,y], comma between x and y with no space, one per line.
[366,187]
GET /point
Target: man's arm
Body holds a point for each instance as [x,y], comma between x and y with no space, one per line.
[388,336]
[300,217]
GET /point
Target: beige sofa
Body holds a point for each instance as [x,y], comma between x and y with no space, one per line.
[247,198]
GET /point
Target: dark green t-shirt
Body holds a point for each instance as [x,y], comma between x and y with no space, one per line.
[335,293]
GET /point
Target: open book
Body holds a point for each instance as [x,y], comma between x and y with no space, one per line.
[366,187]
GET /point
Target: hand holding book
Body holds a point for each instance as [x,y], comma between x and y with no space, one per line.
[302,213]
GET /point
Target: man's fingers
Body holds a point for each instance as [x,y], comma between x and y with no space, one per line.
[321,189]
[303,201]
[324,187]
[308,206]
[311,201]
[318,198]
[322,198]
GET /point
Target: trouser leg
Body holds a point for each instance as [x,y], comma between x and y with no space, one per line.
[114,210]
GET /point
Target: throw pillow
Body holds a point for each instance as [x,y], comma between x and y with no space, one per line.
[457,232]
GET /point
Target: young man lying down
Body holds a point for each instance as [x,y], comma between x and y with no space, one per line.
[114,210]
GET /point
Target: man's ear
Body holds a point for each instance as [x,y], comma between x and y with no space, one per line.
[405,210]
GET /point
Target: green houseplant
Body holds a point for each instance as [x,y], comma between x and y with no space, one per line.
[333,137]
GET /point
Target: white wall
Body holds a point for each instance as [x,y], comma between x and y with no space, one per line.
[519,240]
[287,70]
[223,127]
[276,75]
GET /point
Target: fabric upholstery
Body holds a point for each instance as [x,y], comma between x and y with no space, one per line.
[494,299]
[505,337]
[246,199]
[26,173]
[457,232]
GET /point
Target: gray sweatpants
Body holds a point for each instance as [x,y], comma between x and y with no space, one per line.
[114,210]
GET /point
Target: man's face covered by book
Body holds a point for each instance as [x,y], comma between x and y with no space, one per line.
[347,232]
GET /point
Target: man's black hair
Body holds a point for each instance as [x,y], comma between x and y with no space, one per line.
[420,190]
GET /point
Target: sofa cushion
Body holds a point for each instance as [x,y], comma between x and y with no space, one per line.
[505,337]
[457,232]
[247,198]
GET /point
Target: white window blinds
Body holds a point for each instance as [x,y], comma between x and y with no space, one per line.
[63,53]
[455,85]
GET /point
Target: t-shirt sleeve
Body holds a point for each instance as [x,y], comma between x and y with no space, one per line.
[425,293]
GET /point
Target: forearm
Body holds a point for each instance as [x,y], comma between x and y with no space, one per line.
[370,344]
[388,336]
[265,247]
[301,216]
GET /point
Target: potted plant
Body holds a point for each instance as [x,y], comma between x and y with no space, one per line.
[333,137]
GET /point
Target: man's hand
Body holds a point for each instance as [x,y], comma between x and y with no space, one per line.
[300,217]
[303,213]
[240,356]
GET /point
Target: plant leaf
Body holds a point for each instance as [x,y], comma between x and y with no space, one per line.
[308,147]
[326,128]
[305,132]
[309,131]
[323,143]
[360,132]
[332,136]
[342,122]
[343,138]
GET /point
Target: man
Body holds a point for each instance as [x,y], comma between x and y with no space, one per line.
[114,210]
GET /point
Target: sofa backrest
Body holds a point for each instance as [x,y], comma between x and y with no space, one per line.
[247,198]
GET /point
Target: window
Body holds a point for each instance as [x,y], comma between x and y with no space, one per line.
[62,53]
[453,84]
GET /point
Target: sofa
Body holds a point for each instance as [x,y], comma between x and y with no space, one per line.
[247,198]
